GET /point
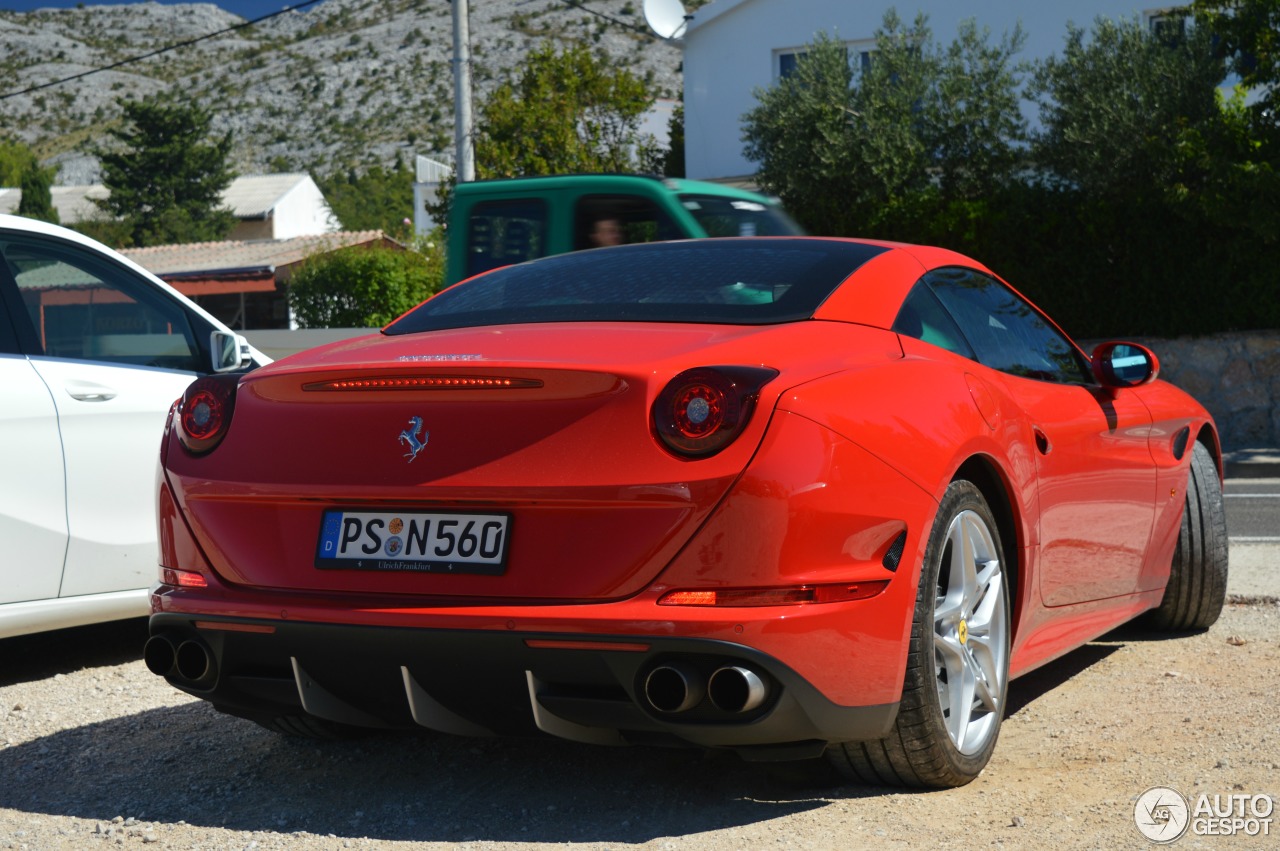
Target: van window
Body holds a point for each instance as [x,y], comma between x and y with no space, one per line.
[500,233]
[721,216]
[604,220]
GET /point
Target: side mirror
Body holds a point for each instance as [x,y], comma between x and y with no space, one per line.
[1119,365]
[230,351]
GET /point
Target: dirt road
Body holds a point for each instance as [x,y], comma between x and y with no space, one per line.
[96,752]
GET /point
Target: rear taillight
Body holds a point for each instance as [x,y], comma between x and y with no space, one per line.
[702,410]
[729,597]
[205,412]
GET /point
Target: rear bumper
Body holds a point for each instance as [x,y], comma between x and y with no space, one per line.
[589,688]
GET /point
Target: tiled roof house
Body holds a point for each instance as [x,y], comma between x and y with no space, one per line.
[241,280]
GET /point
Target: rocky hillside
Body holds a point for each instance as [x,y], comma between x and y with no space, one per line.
[338,84]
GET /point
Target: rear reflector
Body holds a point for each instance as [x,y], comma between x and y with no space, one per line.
[428,382]
[774,596]
[182,578]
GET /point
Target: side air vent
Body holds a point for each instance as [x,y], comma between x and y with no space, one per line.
[1180,442]
[894,556]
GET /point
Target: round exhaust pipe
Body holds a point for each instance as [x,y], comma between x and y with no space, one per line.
[673,688]
[193,662]
[160,655]
[736,689]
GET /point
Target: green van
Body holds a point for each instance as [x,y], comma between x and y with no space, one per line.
[499,222]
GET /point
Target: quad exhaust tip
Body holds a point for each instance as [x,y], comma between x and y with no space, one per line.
[734,689]
[159,654]
[188,662]
[673,688]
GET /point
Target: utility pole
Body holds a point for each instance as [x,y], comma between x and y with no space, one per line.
[464,142]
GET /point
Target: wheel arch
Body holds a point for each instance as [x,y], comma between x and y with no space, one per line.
[983,472]
[1208,435]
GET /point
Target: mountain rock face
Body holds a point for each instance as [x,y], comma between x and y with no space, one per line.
[338,84]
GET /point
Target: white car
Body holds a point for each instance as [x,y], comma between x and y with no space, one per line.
[93,351]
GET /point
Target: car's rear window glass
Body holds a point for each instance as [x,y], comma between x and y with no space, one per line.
[741,282]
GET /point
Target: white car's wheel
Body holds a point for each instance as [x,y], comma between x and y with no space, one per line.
[953,698]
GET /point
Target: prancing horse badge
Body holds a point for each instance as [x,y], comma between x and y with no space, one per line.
[410,438]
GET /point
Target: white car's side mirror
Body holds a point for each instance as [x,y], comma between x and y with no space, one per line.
[230,351]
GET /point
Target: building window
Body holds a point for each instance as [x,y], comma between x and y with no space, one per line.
[859,53]
[1168,25]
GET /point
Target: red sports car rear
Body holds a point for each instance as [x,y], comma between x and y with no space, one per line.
[665,493]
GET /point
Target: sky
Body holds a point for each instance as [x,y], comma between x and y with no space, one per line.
[247,9]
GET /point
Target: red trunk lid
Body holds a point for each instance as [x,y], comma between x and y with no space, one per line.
[547,426]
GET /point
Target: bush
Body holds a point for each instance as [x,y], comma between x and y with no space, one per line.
[363,287]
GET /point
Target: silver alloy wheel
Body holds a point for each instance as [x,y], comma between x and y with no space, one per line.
[970,634]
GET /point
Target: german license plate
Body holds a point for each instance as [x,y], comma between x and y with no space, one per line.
[447,542]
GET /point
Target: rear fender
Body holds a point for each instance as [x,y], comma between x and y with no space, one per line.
[927,436]
[178,547]
[963,427]
[814,508]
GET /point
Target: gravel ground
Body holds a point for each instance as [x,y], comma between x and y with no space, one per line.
[95,752]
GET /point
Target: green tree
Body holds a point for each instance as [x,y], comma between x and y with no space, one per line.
[670,163]
[800,136]
[16,159]
[1248,35]
[865,150]
[37,201]
[1153,201]
[376,198]
[363,287]
[563,112]
[1120,106]
[166,175]
[977,128]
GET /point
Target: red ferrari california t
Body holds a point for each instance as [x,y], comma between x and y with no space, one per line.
[785,496]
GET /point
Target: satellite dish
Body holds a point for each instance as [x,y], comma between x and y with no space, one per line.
[667,18]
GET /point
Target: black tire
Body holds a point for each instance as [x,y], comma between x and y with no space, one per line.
[1198,578]
[920,751]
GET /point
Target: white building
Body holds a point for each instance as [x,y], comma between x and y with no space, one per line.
[268,206]
[278,206]
[733,47]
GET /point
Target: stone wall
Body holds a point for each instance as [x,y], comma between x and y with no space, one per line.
[1236,376]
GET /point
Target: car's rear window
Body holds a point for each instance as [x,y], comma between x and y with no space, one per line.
[736,281]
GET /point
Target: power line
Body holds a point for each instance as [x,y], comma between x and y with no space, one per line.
[578,4]
[158,51]
[573,4]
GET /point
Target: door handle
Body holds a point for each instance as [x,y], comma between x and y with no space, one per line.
[89,391]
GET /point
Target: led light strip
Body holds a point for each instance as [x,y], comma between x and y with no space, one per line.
[422,382]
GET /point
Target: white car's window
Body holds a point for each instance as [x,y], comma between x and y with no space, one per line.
[86,307]
[8,335]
